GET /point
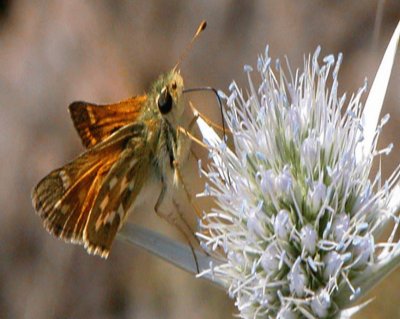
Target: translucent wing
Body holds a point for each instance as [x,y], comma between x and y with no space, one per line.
[95,123]
[65,198]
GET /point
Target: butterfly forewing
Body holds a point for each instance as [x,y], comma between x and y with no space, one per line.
[65,198]
[95,123]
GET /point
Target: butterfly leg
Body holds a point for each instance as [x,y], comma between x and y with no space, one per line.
[171,219]
[194,206]
[185,222]
[177,171]
[208,121]
[188,132]
[191,136]
[185,189]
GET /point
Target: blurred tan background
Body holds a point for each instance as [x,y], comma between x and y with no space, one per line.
[55,52]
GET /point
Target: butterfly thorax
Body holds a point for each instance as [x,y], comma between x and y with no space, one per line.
[162,137]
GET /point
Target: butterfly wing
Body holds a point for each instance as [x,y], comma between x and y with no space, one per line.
[95,123]
[65,198]
[116,196]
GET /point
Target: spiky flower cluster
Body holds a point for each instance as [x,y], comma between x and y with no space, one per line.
[297,214]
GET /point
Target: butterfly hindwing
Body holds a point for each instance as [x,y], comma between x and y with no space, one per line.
[64,198]
[116,195]
[95,123]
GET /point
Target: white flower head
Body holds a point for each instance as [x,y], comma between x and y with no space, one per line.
[297,213]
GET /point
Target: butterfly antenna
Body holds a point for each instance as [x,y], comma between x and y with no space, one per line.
[202,26]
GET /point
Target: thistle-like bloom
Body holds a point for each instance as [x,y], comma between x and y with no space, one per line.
[298,215]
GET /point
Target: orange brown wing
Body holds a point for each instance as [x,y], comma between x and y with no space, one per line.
[64,198]
[95,123]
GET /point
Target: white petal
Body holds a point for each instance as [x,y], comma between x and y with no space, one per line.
[376,96]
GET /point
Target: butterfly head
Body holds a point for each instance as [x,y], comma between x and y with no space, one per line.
[168,96]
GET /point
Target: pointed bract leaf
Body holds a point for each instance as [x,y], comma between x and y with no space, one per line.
[374,102]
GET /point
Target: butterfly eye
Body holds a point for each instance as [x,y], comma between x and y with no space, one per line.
[174,85]
[164,102]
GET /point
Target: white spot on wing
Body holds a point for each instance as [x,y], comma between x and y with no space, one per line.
[110,218]
[120,211]
[91,116]
[132,163]
[65,209]
[104,203]
[66,181]
[124,184]
[113,182]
